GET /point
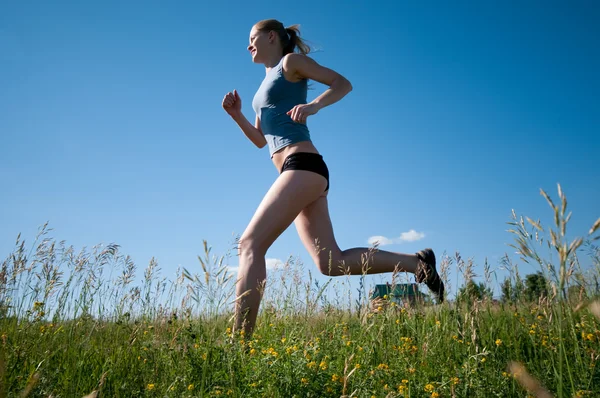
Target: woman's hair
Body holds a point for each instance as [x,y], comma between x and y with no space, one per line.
[289,37]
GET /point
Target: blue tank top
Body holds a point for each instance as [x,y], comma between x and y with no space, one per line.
[276,96]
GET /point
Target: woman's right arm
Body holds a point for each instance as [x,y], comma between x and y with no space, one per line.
[232,103]
[254,133]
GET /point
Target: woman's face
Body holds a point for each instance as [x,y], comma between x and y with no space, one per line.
[259,44]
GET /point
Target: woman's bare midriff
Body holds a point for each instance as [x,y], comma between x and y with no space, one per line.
[304,146]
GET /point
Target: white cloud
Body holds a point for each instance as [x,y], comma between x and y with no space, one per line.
[410,236]
[232,269]
[272,264]
[382,240]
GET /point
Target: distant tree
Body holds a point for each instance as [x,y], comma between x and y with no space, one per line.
[508,294]
[512,292]
[575,292]
[580,286]
[536,286]
[472,291]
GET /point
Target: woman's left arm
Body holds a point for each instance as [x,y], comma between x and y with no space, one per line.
[307,68]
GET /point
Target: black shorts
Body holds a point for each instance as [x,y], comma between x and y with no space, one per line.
[307,161]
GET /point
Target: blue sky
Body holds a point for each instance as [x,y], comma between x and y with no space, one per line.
[112,128]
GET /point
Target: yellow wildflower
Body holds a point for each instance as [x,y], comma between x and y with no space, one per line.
[150,387]
[434,395]
[590,337]
[429,387]
[190,387]
[498,342]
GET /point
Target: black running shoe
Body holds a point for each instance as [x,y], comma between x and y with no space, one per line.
[426,272]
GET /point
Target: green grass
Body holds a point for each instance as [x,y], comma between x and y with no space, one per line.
[73,324]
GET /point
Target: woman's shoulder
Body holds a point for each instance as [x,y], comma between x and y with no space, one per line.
[294,59]
[293,64]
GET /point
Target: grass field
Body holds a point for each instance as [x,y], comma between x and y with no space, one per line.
[74,324]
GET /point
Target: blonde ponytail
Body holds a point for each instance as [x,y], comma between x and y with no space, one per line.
[289,37]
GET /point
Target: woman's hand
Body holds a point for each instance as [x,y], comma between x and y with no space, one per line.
[232,103]
[301,112]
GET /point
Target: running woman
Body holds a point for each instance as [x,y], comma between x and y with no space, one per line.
[299,194]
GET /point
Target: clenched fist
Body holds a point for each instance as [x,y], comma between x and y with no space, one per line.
[232,103]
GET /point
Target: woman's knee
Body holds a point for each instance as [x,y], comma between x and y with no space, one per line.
[248,246]
[328,262]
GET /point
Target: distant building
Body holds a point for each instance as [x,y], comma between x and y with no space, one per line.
[402,293]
